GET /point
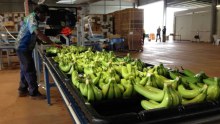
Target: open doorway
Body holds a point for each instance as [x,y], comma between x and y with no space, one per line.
[153,18]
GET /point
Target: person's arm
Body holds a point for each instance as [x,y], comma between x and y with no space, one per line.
[44,38]
[33,28]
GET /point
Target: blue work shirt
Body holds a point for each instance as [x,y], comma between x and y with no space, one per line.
[26,37]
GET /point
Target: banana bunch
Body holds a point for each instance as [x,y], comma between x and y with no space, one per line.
[128,71]
[149,79]
[160,80]
[138,64]
[160,70]
[128,88]
[158,98]
[213,92]
[149,92]
[194,95]
[112,89]
[75,78]
[90,91]
[170,98]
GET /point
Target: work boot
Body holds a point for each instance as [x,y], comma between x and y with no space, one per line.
[38,96]
[23,93]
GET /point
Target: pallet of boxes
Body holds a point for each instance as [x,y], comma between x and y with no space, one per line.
[129,24]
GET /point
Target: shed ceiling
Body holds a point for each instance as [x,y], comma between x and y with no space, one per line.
[187,4]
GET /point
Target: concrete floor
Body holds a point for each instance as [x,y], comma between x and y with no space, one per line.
[14,110]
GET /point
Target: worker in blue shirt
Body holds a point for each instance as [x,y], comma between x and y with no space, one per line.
[25,44]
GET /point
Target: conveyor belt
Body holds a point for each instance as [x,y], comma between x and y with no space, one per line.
[129,110]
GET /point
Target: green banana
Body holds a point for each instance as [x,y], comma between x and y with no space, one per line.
[75,79]
[209,81]
[143,81]
[173,75]
[141,74]
[151,80]
[65,67]
[137,79]
[175,97]
[125,83]
[110,94]
[154,89]
[154,102]
[194,86]
[179,96]
[213,91]
[128,91]
[188,73]
[124,72]
[74,75]
[83,89]
[187,79]
[95,79]
[129,68]
[160,80]
[118,69]
[121,87]
[186,93]
[200,84]
[117,78]
[76,82]
[105,88]
[97,93]
[117,91]
[198,99]
[175,82]
[166,102]
[149,94]
[91,95]
[71,69]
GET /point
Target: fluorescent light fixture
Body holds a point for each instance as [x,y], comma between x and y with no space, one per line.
[66,1]
[218,6]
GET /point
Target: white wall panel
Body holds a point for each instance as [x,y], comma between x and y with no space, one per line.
[188,23]
[183,26]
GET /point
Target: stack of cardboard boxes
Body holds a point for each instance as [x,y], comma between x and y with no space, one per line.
[129,24]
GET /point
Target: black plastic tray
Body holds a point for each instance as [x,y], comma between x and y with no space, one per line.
[130,111]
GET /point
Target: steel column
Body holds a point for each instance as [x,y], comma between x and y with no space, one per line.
[213,19]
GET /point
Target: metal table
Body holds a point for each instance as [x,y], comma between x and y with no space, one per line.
[74,110]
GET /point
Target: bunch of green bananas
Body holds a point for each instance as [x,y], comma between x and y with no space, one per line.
[195,95]
[112,77]
[90,91]
[112,89]
[160,70]
[75,78]
[128,88]
[196,88]
[213,92]
[157,98]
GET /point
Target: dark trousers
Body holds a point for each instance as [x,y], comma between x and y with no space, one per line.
[158,35]
[164,38]
[28,77]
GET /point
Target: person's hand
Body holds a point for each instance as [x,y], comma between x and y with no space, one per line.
[56,45]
